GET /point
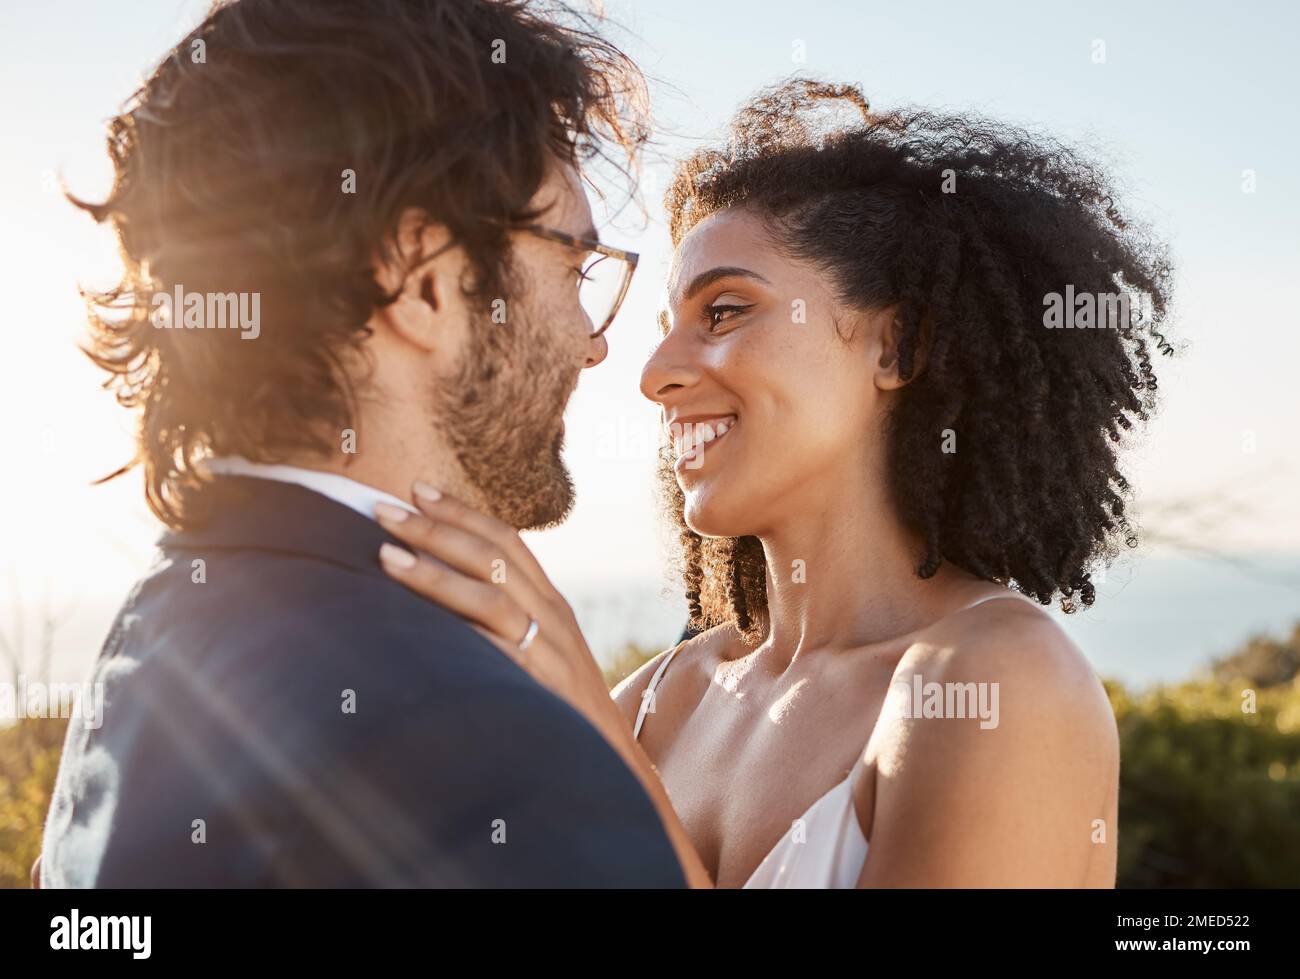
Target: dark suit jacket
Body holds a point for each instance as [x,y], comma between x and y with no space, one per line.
[226,702]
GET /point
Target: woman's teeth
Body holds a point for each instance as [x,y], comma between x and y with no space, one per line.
[689,438]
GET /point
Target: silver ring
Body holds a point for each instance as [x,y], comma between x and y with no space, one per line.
[530,635]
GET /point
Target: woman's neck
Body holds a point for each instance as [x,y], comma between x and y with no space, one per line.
[841,573]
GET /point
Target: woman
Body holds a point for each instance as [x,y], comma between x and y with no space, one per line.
[897,363]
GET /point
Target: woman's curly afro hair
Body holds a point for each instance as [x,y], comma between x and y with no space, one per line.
[967,226]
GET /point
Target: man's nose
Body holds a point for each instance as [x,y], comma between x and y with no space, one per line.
[597,350]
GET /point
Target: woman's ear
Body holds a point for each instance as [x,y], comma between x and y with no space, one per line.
[888,330]
[889,360]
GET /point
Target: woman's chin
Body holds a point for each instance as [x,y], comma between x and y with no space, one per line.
[710,514]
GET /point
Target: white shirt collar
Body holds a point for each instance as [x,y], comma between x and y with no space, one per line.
[340,489]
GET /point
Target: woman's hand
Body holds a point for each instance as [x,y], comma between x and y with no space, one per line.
[479,568]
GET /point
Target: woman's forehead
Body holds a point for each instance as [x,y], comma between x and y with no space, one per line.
[725,238]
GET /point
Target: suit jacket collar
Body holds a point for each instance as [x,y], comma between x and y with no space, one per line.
[249,513]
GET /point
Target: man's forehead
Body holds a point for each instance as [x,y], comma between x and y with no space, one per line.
[565,201]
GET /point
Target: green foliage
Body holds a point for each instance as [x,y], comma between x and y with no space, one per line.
[29,760]
[1209,785]
[1262,661]
[625,662]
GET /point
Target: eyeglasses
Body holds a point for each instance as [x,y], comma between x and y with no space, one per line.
[605,276]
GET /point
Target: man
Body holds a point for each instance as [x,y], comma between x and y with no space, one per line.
[354,236]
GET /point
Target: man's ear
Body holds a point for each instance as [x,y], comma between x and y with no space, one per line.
[427,272]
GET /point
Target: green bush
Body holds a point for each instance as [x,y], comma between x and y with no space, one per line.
[1209,791]
[29,760]
[625,662]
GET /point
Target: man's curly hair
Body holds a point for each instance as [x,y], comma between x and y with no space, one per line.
[230,165]
[967,226]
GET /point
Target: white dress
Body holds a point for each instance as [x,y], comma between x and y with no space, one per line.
[825,847]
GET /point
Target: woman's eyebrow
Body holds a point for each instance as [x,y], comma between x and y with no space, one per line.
[705,279]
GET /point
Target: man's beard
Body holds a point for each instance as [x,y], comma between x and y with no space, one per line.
[502,415]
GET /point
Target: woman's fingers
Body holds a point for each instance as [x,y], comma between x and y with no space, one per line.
[469,552]
[511,649]
[490,613]
[487,605]
[478,567]
[502,536]
[461,549]
[451,562]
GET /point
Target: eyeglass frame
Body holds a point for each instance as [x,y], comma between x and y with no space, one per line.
[629,259]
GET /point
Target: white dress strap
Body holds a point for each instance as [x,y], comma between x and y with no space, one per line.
[647,695]
[1009,593]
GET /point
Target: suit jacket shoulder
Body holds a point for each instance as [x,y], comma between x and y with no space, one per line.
[277,715]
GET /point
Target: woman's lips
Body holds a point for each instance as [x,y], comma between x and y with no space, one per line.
[691,437]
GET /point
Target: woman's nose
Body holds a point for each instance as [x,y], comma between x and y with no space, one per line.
[670,367]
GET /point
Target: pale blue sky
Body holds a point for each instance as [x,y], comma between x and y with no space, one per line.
[1190,95]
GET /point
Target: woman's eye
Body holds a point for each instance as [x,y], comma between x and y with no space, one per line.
[718,314]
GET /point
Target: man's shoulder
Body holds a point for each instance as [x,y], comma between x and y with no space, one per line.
[289,690]
[241,601]
[294,640]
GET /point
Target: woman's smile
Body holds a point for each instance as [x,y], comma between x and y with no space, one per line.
[691,435]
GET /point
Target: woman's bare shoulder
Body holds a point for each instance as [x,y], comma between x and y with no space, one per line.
[691,657]
[996,716]
[1009,639]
